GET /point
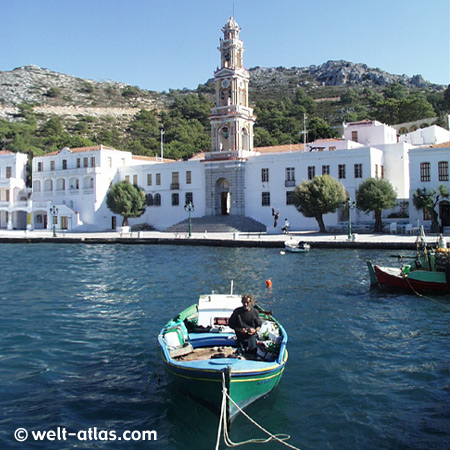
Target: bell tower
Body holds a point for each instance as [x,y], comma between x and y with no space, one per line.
[231,118]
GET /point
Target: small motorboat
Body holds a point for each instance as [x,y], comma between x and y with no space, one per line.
[295,246]
[201,356]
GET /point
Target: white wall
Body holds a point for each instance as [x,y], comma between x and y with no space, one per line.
[161,217]
[371,133]
[416,157]
[277,164]
[427,136]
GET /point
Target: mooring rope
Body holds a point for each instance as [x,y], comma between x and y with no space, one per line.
[282,438]
[425,296]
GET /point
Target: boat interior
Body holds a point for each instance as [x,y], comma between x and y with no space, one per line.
[201,332]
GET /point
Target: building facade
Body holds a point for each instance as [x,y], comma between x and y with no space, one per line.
[234,178]
[15,202]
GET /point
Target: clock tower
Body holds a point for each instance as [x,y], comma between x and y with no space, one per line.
[231,130]
[231,118]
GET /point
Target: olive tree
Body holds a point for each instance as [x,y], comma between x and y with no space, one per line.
[375,194]
[127,200]
[427,199]
[319,196]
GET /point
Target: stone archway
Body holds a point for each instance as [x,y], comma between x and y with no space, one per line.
[223,196]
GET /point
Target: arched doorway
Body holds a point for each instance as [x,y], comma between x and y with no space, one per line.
[223,192]
[444,213]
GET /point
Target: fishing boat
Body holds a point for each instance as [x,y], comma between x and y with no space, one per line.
[294,246]
[201,355]
[428,271]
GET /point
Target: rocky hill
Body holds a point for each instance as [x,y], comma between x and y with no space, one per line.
[333,73]
[69,98]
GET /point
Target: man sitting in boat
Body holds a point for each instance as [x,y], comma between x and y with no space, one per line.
[245,321]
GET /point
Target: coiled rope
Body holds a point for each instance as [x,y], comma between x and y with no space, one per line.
[282,438]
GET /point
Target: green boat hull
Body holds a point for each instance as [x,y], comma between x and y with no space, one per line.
[244,388]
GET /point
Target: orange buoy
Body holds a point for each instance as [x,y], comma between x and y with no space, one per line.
[268,283]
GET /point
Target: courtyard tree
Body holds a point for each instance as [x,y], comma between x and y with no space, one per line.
[375,194]
[319,196]
[426,200]
[127,200]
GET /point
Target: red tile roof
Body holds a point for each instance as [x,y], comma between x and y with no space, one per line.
[82,149]
[281,148]
[152,158]
[443,145]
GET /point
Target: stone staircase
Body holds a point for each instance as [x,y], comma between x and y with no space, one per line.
[219,224]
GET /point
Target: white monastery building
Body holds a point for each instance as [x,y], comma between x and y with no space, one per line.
[233,179]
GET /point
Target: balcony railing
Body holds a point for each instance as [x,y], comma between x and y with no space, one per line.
[289,183]
[175,186]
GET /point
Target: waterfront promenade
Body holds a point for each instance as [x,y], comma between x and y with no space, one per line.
[224,239]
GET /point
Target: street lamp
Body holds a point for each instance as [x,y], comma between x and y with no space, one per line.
[349,204]
[189,207]
[54,213]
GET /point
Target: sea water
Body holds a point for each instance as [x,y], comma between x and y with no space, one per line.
[367,369]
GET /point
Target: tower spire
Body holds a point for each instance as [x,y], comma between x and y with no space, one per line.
[231,118]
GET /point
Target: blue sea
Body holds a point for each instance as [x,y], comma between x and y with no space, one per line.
[79,360]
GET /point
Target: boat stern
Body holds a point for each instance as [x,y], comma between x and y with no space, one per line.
[372,274]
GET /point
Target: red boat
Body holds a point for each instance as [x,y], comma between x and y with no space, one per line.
[429,271]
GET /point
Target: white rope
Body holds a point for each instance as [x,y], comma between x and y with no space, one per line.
[223,421]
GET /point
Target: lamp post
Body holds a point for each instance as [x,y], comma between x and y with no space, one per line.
[54,213]
[349,204]
[189,207]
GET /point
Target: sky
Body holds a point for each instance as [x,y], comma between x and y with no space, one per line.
[172,44]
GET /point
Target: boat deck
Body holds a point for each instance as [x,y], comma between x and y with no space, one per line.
[211,353]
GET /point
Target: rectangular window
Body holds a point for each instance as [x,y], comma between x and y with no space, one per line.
[52,165]
[311,172]
[85,162]
[289,197]
[443,170]
[64,164]
[175,181]
[109,162]
[265,199]
[290,177]
[425,171]
[158,179]
[149,179]
[381,171]
[39,166]
[358,170]
[290,174]
[7,195]
[354,136]
[135,180]
[189,198]
[264,175]
[78,163]
[188,177]
[92,161]
[341,171]
[127,178]
[376,170]
[175,199]
[8,172]
[326,170]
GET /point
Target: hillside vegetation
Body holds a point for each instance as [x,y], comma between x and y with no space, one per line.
[43,111]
